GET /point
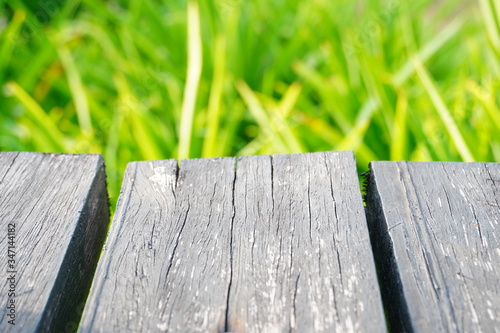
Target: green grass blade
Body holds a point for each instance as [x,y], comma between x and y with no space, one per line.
[138,120]
[280,113]
[214,106]
[355,136]
[490,10]
[265,124]
[443,112]
[77,91]
[399,130]
[193,78]
[487,99]
[41,119]
[430,48]
[8,40]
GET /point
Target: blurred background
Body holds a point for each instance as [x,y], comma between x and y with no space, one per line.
[150,79]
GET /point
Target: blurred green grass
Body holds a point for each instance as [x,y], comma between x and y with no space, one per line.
[149,79]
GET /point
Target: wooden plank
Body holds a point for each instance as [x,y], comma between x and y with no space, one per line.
[301,252]
[289,252]
[166,265]
[54,207]
[435,230]
[128,281]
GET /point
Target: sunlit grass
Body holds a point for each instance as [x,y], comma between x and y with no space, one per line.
[151,79]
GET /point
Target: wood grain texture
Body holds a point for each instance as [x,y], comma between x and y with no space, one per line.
[166,264]
[437,226]
[301,252]
[59,206]
[124,293]
[273,245]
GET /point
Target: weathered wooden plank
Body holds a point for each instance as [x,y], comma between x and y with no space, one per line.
[301,252]
[435,230]
[54,216]
[289,252]
[166,265]
[128,282]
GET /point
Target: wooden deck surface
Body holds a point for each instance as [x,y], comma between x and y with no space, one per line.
[277,243]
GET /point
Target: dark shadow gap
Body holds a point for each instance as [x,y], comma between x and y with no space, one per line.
[227,324]
[395,306]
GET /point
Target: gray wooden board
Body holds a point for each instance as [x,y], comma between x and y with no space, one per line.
[435,230]
[301,252]
[166,262]
[261,244]
[59,206]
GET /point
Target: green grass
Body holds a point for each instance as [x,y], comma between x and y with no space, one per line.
[169,79]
